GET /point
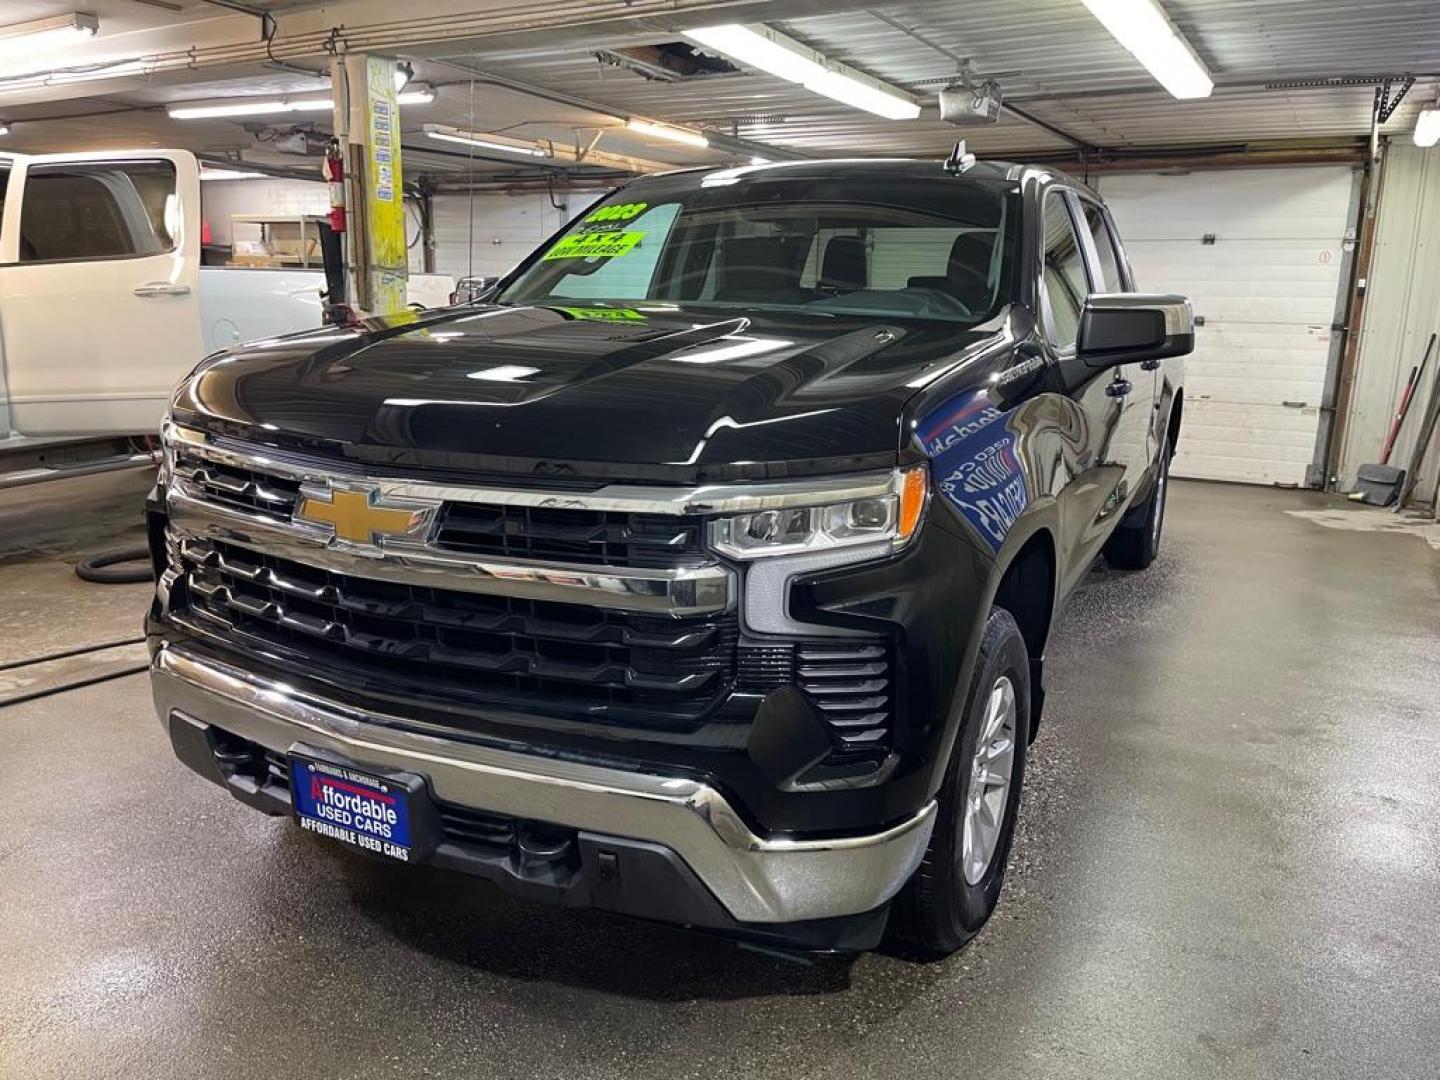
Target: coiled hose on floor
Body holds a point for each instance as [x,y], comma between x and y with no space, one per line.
[117,566]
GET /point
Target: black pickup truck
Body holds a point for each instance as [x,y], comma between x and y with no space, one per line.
[702,570]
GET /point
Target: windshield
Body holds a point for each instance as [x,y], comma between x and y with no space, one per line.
[906,246]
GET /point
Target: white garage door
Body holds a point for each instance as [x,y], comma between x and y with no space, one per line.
[1265,288]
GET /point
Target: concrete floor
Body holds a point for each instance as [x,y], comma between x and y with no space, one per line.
[1229,867]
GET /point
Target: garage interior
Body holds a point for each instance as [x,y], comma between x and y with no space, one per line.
[1226,861]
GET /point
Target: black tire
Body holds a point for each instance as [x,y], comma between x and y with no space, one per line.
[939,910]
[117,566]
[1136,540]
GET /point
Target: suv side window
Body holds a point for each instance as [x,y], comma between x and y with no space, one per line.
[1111,278]
[1063,282]
[100,210]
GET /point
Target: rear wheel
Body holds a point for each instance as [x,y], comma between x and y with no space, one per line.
[1136,540]
[958,884]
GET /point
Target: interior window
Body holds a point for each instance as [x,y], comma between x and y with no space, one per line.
[100,210]
[1065,284]
[1111,280]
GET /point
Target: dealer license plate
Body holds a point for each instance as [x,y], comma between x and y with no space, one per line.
[373,813]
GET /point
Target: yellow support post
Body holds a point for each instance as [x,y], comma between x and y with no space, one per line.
[368,123]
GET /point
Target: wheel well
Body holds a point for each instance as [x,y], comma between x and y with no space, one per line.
[1174,428]
[1027,591]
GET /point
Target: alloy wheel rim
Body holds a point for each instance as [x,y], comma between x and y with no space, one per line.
[988,797]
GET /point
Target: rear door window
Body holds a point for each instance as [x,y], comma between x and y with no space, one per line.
[1112,279]
[97,210]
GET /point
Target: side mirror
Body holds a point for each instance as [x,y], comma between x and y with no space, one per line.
[470,289]
[1121,328]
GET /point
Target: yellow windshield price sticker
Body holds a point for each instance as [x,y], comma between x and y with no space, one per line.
[600,245]
[620,212]
[594,314]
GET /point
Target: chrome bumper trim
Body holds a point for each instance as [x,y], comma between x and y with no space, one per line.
[683,591]
[623,498]
[757,879]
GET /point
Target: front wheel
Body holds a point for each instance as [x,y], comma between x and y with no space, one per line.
[1136,540]
[958,883]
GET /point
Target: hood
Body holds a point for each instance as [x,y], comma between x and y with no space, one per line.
[656,392]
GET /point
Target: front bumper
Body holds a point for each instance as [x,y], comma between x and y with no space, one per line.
[755,881]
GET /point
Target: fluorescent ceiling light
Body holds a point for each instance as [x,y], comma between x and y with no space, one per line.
[770,51]
[688,136]
[27,47]
[1427,126]
[277,106]
[863,94]
[760,47]
[207,173]
[249,107]
[1143,28]
[483,140]
[52,34]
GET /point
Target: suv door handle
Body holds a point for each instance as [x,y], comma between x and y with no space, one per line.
[1150,365]
[161,288]
[1119,388]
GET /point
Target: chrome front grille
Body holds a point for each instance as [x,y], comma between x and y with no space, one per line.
[239,488]
[598,606]
[601,537]
[551,534]
[456,645]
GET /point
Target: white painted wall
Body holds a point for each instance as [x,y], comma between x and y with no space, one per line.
[1266,289]
[220,199]
[1402,310]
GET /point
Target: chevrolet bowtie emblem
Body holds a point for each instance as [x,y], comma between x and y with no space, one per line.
[362,517]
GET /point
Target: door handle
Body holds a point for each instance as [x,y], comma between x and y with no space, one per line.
[1119,388]
[161,288]
[1150,365]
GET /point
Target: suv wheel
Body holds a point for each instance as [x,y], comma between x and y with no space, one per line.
[958,884]
[1136,540]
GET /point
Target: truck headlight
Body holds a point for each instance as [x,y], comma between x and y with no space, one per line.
[893,516]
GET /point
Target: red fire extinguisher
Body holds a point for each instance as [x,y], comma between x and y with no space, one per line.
[336,311]
[333,169]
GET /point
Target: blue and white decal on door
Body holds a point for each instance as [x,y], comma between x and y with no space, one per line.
[974,463]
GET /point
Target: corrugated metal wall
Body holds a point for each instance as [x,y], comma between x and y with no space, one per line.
[1402,310]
